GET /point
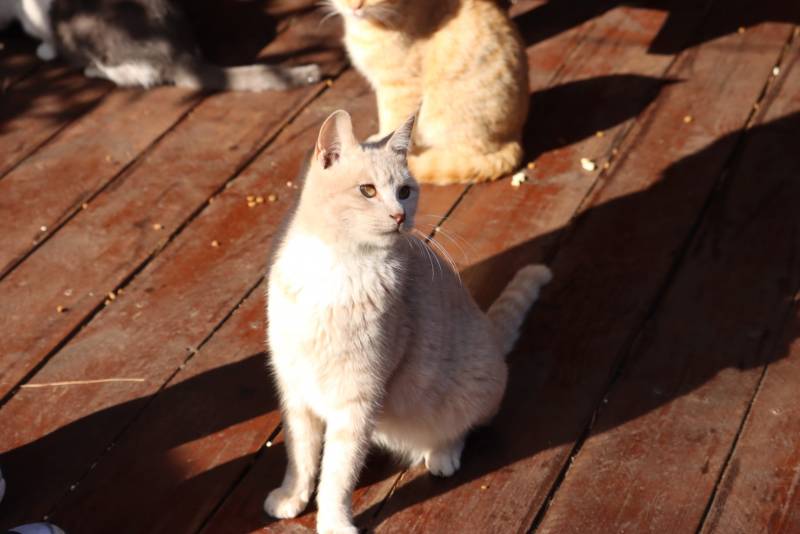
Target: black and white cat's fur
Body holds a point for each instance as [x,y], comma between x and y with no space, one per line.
[138,43]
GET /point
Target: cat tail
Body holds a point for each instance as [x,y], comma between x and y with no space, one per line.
[197,74]
[508,312]
[460,164]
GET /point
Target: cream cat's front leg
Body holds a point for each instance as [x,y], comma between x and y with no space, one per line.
[303,431]
[346,443]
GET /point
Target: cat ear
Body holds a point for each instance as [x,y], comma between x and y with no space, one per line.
[335,137]
[400,142]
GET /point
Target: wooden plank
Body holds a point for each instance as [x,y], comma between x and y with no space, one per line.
[608,271]
[50,186]
[661,440]
[180,456]
[38,107]
[242,511]
[758,491]
[168,309]
[130,221]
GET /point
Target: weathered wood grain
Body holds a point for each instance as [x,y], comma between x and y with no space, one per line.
[758,491]
[608,270]
[38,107]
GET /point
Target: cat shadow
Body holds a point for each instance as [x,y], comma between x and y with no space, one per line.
[679,31]
[560,374]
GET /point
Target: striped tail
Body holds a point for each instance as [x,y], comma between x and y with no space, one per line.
[508,312]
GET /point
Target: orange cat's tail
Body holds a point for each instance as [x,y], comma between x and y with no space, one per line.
[509,310]
[456,164]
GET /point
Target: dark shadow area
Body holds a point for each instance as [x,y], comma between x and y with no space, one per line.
[679,31]
[594,105]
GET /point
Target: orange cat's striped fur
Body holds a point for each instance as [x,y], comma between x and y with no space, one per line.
[463,62]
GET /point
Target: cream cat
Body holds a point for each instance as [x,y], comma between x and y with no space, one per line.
[463,62]
[368,342]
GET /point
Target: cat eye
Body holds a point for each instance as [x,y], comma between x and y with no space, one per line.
[404,192]
[368,190]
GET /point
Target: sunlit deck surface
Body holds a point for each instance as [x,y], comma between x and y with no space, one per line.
[655,388]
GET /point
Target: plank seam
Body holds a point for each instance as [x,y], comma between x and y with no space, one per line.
[628,346]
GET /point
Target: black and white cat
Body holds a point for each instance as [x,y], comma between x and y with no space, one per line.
[138,43]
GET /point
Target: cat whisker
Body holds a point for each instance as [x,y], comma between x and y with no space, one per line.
[425,241]
[446,255]
[415,243]
[439,230]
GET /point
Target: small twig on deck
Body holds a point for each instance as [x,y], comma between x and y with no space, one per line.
[81,382]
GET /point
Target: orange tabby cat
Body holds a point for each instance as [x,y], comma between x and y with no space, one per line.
[463,62]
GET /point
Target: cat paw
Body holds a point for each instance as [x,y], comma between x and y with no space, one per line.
[305,74]
[281,504]
[46,52]
[443,463]
[336,528]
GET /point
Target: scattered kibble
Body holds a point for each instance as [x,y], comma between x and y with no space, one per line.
[259,199]
[614,151]
[215,243]
[85,205]
[60,309]
[606,164]
[269,444]
[688,118]
[251,203]
[272,197]
[776,70]
[251,198]
[111,295]
[532,165]
[742,29]
[484,487]
[158,226]
[329,82]
[43,228]
[600,133]
[68,292]
[289,183]
[518,179]
[588,164]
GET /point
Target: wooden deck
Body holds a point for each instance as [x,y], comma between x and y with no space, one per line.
[655,388]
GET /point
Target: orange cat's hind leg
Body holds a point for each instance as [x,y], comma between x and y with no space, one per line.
[458,164]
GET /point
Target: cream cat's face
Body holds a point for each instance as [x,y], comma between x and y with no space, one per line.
[364,192]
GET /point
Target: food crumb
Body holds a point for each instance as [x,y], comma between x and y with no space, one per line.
[776,70]
[43,228]
[111,295]
[251,198]
[158,226]
[60,309]
[588,165]
[289,183]
[215,243]
[68,292]
[85,205]
[251,204]
[518,178]
[484,487]
[329,82]
[600,133]
[259,199]
[742,29]
[272,197]
[688,118]
[532,165]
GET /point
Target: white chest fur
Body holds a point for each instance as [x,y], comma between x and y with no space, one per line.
[34,15]
[327,315]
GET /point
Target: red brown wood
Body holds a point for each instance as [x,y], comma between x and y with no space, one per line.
[608,271]
[50,186]
[759,489]
[131,221]
[17,58]
[38,107]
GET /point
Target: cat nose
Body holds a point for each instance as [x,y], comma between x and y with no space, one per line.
[399,218]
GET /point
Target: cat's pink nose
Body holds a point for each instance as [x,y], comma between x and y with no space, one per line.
[399,218]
